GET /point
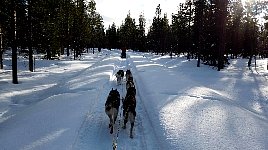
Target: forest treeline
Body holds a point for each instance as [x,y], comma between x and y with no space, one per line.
[207,30]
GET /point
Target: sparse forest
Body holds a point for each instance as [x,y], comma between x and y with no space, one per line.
[207,30]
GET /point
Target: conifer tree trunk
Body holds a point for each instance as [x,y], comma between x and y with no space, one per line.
[14,43]
[222,14]
[30,36]
[1,49]
[189,29]
[67,32]
[1,58]
[200,23]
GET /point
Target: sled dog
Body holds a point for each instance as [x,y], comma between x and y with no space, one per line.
[112,106]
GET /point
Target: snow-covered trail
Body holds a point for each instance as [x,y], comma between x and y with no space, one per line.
[94,132]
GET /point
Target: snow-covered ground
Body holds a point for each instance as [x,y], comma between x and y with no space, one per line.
[179,106]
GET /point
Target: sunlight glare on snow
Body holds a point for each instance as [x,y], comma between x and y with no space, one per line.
[187,116]
[148,65]
[136,56]
[177,115]
[45,139]
[174,114]
[27,91]
[257,107]
[2,117]
[80,82]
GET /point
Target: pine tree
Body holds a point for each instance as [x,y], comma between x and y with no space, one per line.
[198,28]
[1,48]
[181,29]
[29,40]
[128,33]
[141,40]
[112,37]
[221,26]
[14,42]
[250,30]
[234,28]
[159,33]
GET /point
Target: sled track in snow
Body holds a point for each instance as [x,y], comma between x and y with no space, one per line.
[95,118]
[86,120]
[156,142]
[95,121]
[124,141]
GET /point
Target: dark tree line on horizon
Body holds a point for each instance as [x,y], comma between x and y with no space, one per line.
[206,30]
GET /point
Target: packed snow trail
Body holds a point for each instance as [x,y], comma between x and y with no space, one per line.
[94,132]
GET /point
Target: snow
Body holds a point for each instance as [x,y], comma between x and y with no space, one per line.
[179,105]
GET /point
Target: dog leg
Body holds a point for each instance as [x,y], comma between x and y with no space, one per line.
[132,120]
[112,125]
[131,130]
[111,122]
[112,129]
[125,120]
[115,119]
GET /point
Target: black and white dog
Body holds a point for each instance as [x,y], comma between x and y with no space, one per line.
[129,109]
[119,76]
[128,74]
[130,83]
[112,107]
